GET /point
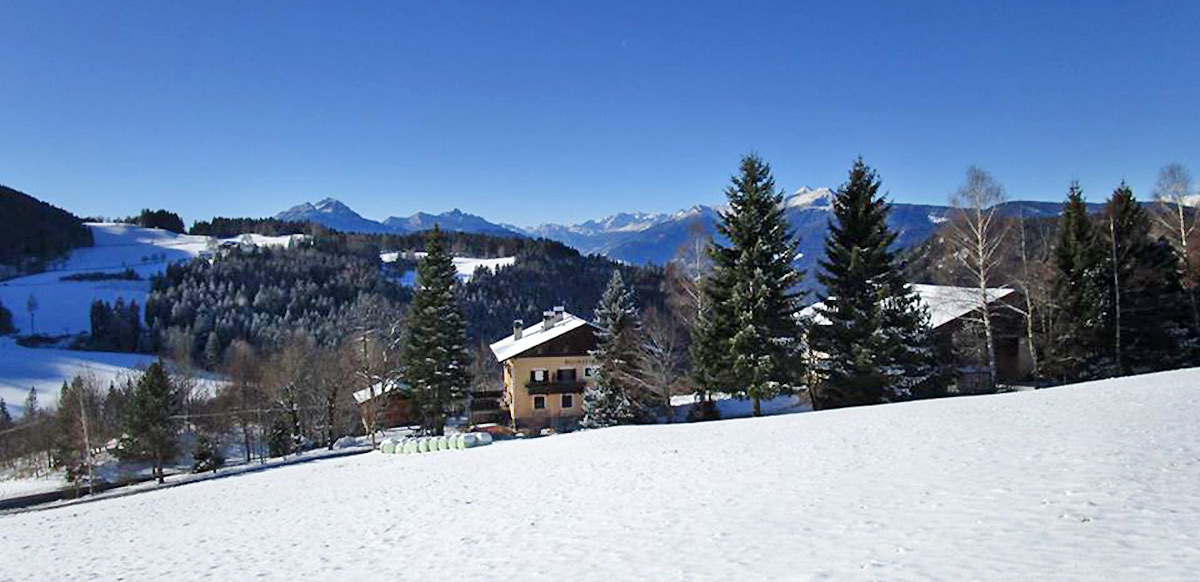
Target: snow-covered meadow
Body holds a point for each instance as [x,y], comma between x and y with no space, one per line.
[465,266]
[1087,482]
[63,307]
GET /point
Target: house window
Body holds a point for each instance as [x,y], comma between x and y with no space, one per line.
[568,400]
[537,375]
[565,375]
[539,402]
[589,372]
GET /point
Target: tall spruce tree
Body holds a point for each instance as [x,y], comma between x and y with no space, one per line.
[1079,350]
[751,344]
[616,397]
[151,427]
[434,353]
[874,334]
[1147,327]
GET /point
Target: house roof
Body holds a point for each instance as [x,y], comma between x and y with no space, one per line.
[536,335]
[945,303]
[381,388]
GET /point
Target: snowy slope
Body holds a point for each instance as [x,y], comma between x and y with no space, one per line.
[1088,482]
[64,306]
[45,369]
[465,266]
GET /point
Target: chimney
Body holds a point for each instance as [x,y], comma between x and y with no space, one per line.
[547,319]
[559,311]
[518,325]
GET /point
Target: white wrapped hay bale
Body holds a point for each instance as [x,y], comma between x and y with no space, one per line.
[484,438]
[410,446]
[469,440]
[387,447]
[457,441]
[443,443]
[423,445]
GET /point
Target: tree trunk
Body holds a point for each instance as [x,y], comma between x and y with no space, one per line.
[1112,232]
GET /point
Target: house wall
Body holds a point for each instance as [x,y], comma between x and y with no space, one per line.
[516,377]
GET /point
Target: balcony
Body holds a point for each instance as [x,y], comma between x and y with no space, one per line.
[554,386]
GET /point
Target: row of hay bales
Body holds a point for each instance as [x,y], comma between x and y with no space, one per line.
[408,446]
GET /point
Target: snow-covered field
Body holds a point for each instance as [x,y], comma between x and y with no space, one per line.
[64,306]
[45,369]
[465,266]
[1089,482]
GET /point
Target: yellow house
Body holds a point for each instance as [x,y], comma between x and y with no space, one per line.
[546,368]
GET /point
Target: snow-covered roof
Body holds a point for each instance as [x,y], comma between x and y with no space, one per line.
[536,335]
[380,388]
[944,302]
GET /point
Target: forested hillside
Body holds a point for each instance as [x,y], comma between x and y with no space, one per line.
[327,287]
[33,232]
[263,296]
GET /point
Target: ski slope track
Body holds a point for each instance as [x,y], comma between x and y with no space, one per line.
[1087,482]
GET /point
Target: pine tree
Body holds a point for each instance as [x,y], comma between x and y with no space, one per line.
[6,320]
[1147,325]
[212,350]
[31,405]
[616,396]
[1081,297]
[151,429]
[874,338]
[752,294]
[435,355]
[6,420]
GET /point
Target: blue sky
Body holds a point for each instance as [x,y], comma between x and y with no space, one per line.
[527,112]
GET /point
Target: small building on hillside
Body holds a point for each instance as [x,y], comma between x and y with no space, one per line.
[546,367]
[950,309]
[389,401]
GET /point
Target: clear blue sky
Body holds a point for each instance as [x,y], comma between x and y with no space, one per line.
[526,112]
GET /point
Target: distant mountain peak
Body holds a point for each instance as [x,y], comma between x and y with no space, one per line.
[810,198]
[332,213]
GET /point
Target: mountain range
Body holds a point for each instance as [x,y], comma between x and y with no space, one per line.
[336,215]
[641,238]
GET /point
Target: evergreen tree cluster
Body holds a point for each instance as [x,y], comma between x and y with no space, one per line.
[116,327]
[6,321]
[548,275]
[221,227]
[263,296]
[1119,302]
[33,232]
[164,219]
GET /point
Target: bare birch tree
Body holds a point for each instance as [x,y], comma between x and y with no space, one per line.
[243,368]
[976,234]
[666,355]
[1173,195]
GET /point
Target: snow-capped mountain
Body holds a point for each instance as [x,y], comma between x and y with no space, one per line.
[333,214]
[640,238]
[336,215]
[455,220]
[657,238]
